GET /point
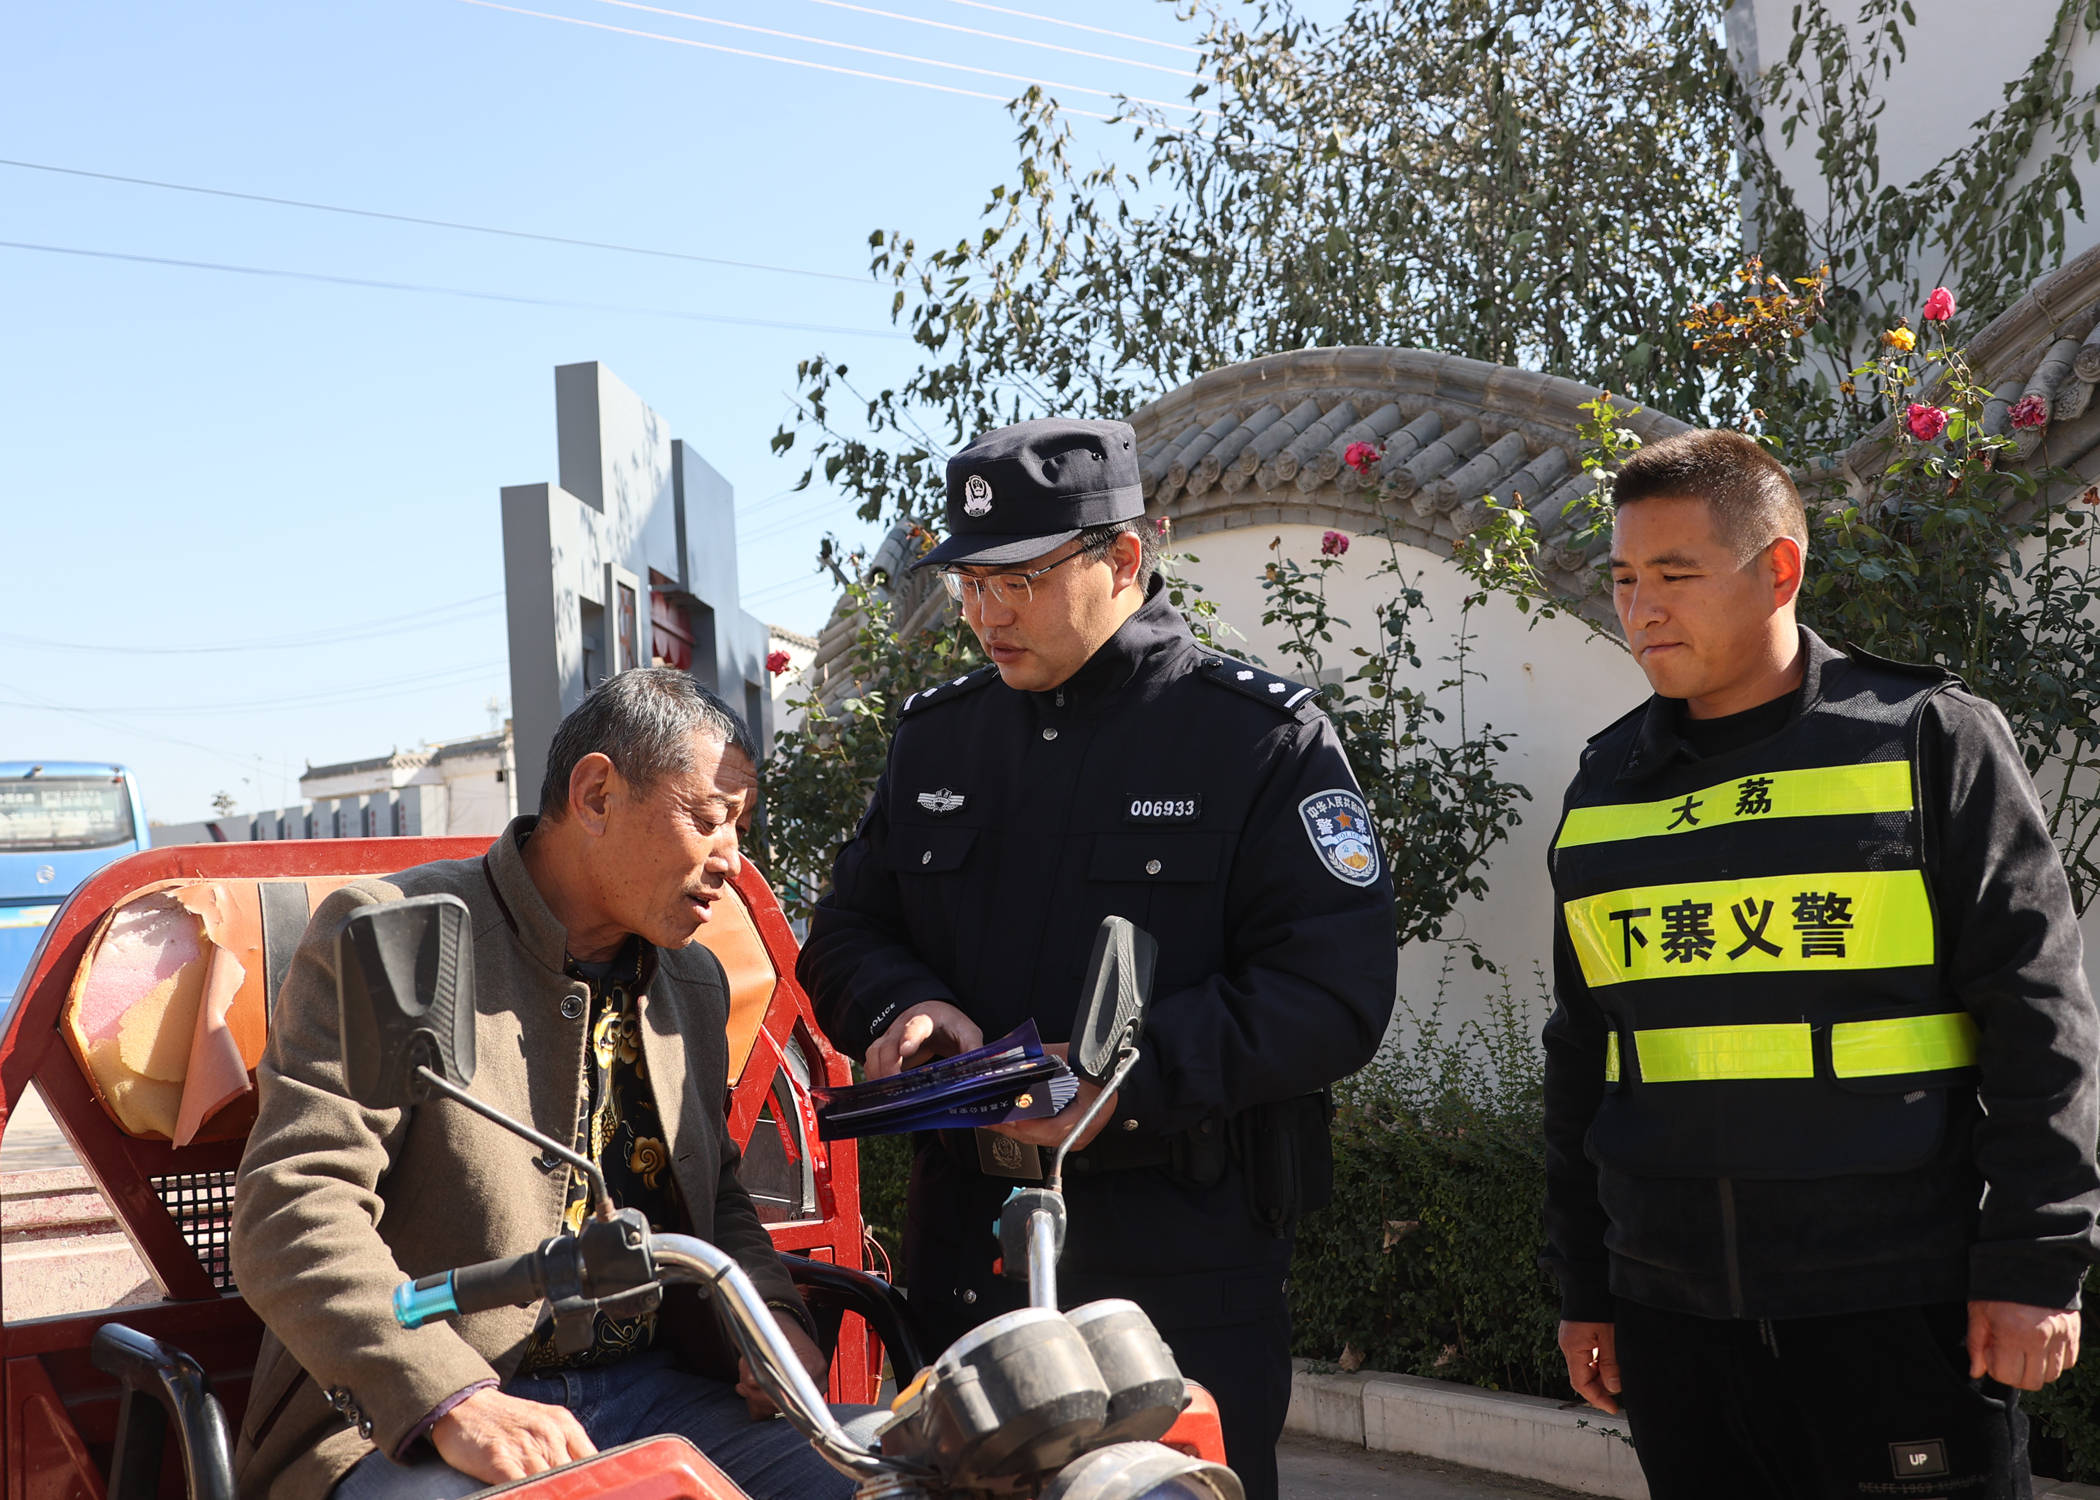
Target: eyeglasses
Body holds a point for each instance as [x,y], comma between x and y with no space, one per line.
[1012,589]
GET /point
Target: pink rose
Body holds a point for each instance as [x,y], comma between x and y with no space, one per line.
[1333,544]
[1926,422]
[777,662]
[1362,457]
[1939,307]
[2030,411]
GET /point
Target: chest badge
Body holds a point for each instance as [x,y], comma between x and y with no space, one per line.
[1186,809]
[1339,826]
[942,802]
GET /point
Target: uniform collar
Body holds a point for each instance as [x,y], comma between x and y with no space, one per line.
[1656,743]
[531,921]
[1156,627]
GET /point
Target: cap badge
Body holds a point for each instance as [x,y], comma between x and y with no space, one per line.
[942,802]
[977,496]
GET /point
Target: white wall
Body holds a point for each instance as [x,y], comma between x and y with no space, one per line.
[1550,688]
[1959,57]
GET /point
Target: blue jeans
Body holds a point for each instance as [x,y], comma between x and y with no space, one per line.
[643,1396]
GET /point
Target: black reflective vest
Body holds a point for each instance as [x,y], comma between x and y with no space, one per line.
[1758,929]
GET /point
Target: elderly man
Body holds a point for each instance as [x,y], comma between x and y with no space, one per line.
[599,1019]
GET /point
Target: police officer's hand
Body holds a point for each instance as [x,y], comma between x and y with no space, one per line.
[1592,1353]
[1051,1131]
[930,1029]
[2020,1346]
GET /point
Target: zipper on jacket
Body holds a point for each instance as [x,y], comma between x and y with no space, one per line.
[1729,1250]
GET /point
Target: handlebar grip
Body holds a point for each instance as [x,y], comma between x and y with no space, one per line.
[515,1282]
[424,1300]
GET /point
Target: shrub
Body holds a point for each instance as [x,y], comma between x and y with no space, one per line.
[1426,1263]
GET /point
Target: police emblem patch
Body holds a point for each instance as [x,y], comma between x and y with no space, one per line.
[977,496]
[1339,826]
[942,802]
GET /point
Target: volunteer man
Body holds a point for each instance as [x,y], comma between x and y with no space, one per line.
[1820,1102]
[1108,763]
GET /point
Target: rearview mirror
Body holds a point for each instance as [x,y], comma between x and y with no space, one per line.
[1118,988]
[405,995]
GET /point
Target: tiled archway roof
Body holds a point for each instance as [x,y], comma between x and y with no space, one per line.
[1261,444]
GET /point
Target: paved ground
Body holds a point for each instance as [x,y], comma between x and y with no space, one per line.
[1313,1470]
[32,1142]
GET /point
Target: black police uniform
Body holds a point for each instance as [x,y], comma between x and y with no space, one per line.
[1208,802]
[1820,993]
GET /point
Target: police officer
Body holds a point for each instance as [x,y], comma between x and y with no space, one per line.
[1106,762]
[1820,1102]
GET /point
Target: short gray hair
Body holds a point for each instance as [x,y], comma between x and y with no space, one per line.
[642,720]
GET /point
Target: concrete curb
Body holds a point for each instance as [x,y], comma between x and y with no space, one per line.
[1526,1437]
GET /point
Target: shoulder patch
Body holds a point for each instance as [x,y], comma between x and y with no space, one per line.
[1284,694]
[947,692]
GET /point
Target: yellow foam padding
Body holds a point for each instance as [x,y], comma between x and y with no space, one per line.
[141,1067]
[731,936]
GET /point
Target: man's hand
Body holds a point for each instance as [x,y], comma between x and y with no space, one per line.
[1050,1131]
[1592,1353]
[497,1438]
[806,1350]
[930,1029]
[2020,1346]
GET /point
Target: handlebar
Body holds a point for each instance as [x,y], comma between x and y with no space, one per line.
[672,1258]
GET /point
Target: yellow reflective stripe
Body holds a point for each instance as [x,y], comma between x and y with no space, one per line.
[1821,792]
[1859,919]
[1611,1057]
[1907,1044]
[1687,1054]
[26,916]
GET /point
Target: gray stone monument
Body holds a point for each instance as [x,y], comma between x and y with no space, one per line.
[629,560]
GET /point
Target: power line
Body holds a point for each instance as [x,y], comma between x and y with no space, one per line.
[927,62]
[1001,36]
[421,619]
[1121,36]
[794,62]
[373,213]
[450,291]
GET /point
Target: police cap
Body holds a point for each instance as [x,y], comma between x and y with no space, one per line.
[1016,492]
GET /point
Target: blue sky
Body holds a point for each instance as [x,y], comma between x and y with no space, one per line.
[302,477]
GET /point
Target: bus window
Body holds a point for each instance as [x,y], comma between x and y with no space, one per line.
[52,815]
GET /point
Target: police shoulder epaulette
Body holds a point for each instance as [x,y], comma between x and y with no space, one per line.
[1926,670]
[1281,693]
[946,692]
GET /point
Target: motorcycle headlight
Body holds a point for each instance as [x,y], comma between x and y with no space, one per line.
[1143,1471]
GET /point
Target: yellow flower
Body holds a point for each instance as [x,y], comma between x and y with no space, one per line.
[1900,337]
[648,1158]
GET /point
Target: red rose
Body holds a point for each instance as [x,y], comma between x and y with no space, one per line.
[2030,411]
[1939,307]
[1926,422]
[777,662]
[1333,544]
[1362,457]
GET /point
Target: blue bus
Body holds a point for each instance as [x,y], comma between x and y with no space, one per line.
[60,822]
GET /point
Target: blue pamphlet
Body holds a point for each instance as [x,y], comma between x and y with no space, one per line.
[1010,1079]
